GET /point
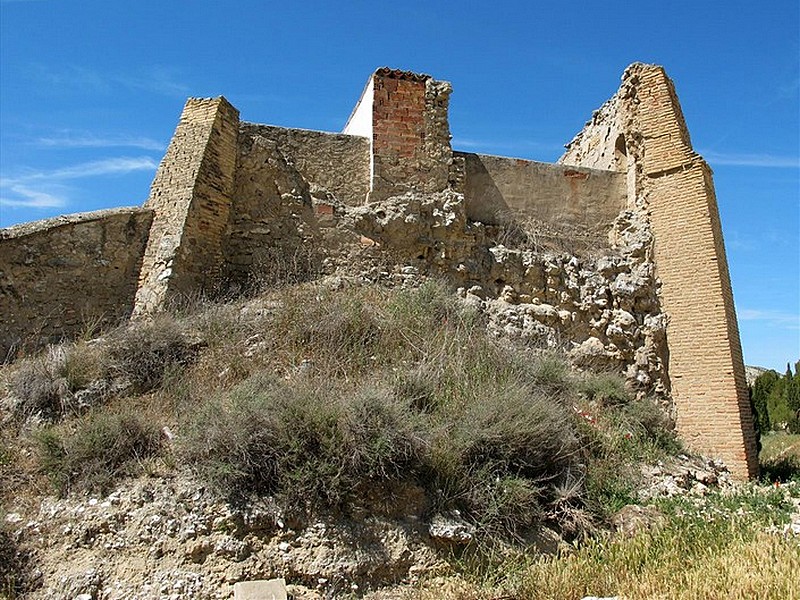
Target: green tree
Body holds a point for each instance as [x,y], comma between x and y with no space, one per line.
[760,395]
[779,413]
[793,397]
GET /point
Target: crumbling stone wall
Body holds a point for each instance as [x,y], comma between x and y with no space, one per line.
[65,276]
[642,131]
[602,308]
[191,197]
[289,183]
[232,204]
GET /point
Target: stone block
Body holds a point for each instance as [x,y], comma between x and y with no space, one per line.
[262,589]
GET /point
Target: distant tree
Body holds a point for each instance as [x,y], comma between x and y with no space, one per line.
[779,412]
[760,394]
[793,397]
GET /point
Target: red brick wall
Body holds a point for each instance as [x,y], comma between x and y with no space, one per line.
[398,133]
[410,134]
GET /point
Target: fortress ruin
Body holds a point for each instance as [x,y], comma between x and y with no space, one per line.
[615,252]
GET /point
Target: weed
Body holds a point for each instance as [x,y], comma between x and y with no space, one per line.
[144,353]
[44,384]
[607,389]
[15,567]
[100,448]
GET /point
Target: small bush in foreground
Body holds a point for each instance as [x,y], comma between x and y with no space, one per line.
[99,449]
[144,353]
[44,384]
[310,446]
[617,439]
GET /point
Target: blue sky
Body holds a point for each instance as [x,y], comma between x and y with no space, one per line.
[90,93]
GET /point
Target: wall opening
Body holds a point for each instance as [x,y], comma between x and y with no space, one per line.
[620,153]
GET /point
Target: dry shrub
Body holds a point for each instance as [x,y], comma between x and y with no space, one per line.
[144,353]
[44,385]
[458,416]
[100,448]
[307,443]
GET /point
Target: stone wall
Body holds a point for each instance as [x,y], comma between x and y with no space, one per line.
[191,197]
[602,308]
[496,187]
[289,184]
[65,276]
[642,131]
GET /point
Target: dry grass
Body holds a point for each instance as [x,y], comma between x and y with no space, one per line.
[764,567]
[731,556]
[313,396]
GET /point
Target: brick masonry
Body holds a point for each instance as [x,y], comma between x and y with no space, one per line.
[673,185]
[410,134]
[191,197]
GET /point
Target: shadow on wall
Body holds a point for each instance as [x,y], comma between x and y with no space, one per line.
[543,206]
[551,193]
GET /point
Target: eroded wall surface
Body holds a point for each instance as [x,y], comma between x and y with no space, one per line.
[233,204]
[289,184]
[65,276]
[642,131]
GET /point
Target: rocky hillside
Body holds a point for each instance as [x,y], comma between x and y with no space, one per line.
[383,438]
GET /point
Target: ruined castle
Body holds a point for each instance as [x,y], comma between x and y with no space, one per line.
[615,252]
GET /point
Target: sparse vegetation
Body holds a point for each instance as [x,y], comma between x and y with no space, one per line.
[319,394]
[404,388]
[143,354]
[94,452]
[780,457]
[45,384]
[327,401]
[15,566]
[714,548]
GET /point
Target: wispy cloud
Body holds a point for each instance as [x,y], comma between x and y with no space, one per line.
[773,317]
[86,140]
[157,79]
[18,195]
[47,189]
[105,166]
[751,160]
